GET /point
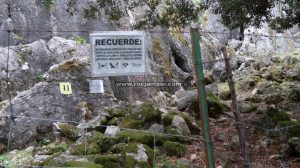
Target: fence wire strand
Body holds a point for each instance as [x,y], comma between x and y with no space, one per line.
[13,118]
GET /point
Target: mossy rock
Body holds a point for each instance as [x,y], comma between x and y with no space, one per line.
[108,161]
[52,149]
[292,130]
[277,115]
[175,148]
[294,95]
[223,90]
[80,164]
[274,98]
[269,119]
[113,121]
[108,142]
[208,77]
[132,122]
[275,74]
[104,120]
[215,106]
[93,145]
[247,107]
[72,65]
[68,130]
[176,135]
[148,138]
[135,136]
[268,87]
[86,109]
[49,161]
[117,112]
[192,123]
[247,83]
[132,148]
[130,162]
[168,118]
[15,158]
[141,116]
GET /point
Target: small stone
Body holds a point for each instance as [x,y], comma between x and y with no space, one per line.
[275,157]
[25,66]
[193,157]
[111,131]
[234,142]
[222,119]
[221,137]
[230,114]
[265,143]
[254,91]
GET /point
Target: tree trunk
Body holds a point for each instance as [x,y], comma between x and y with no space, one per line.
[239,124]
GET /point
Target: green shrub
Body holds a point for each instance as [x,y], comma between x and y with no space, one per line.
[48,4]
[79,40]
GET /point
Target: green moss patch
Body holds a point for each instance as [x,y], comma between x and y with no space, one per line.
[294,95]
[292,128]
[68,130]
[274,119]
[52,149]
[135,136]
[93,145]
[192,123]
[117,112]
[108,161]
[141,116]
[274,98]
[80,164]
[16,157]
[247,107]
[174,148]
[215,106]
[72,65]
[125,149]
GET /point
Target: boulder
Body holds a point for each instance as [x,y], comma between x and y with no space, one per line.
[44,101]
[185,99]
[192,123]
[247,107]
[157,128]
[68,130]
[223,91]
[111,131]
[180,125]
[215,106]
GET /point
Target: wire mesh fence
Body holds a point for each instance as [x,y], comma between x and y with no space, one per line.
[149,147]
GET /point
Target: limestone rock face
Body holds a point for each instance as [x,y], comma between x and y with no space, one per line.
[44,101]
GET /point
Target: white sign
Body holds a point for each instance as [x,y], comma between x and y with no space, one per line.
[118,53]
[96,86]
